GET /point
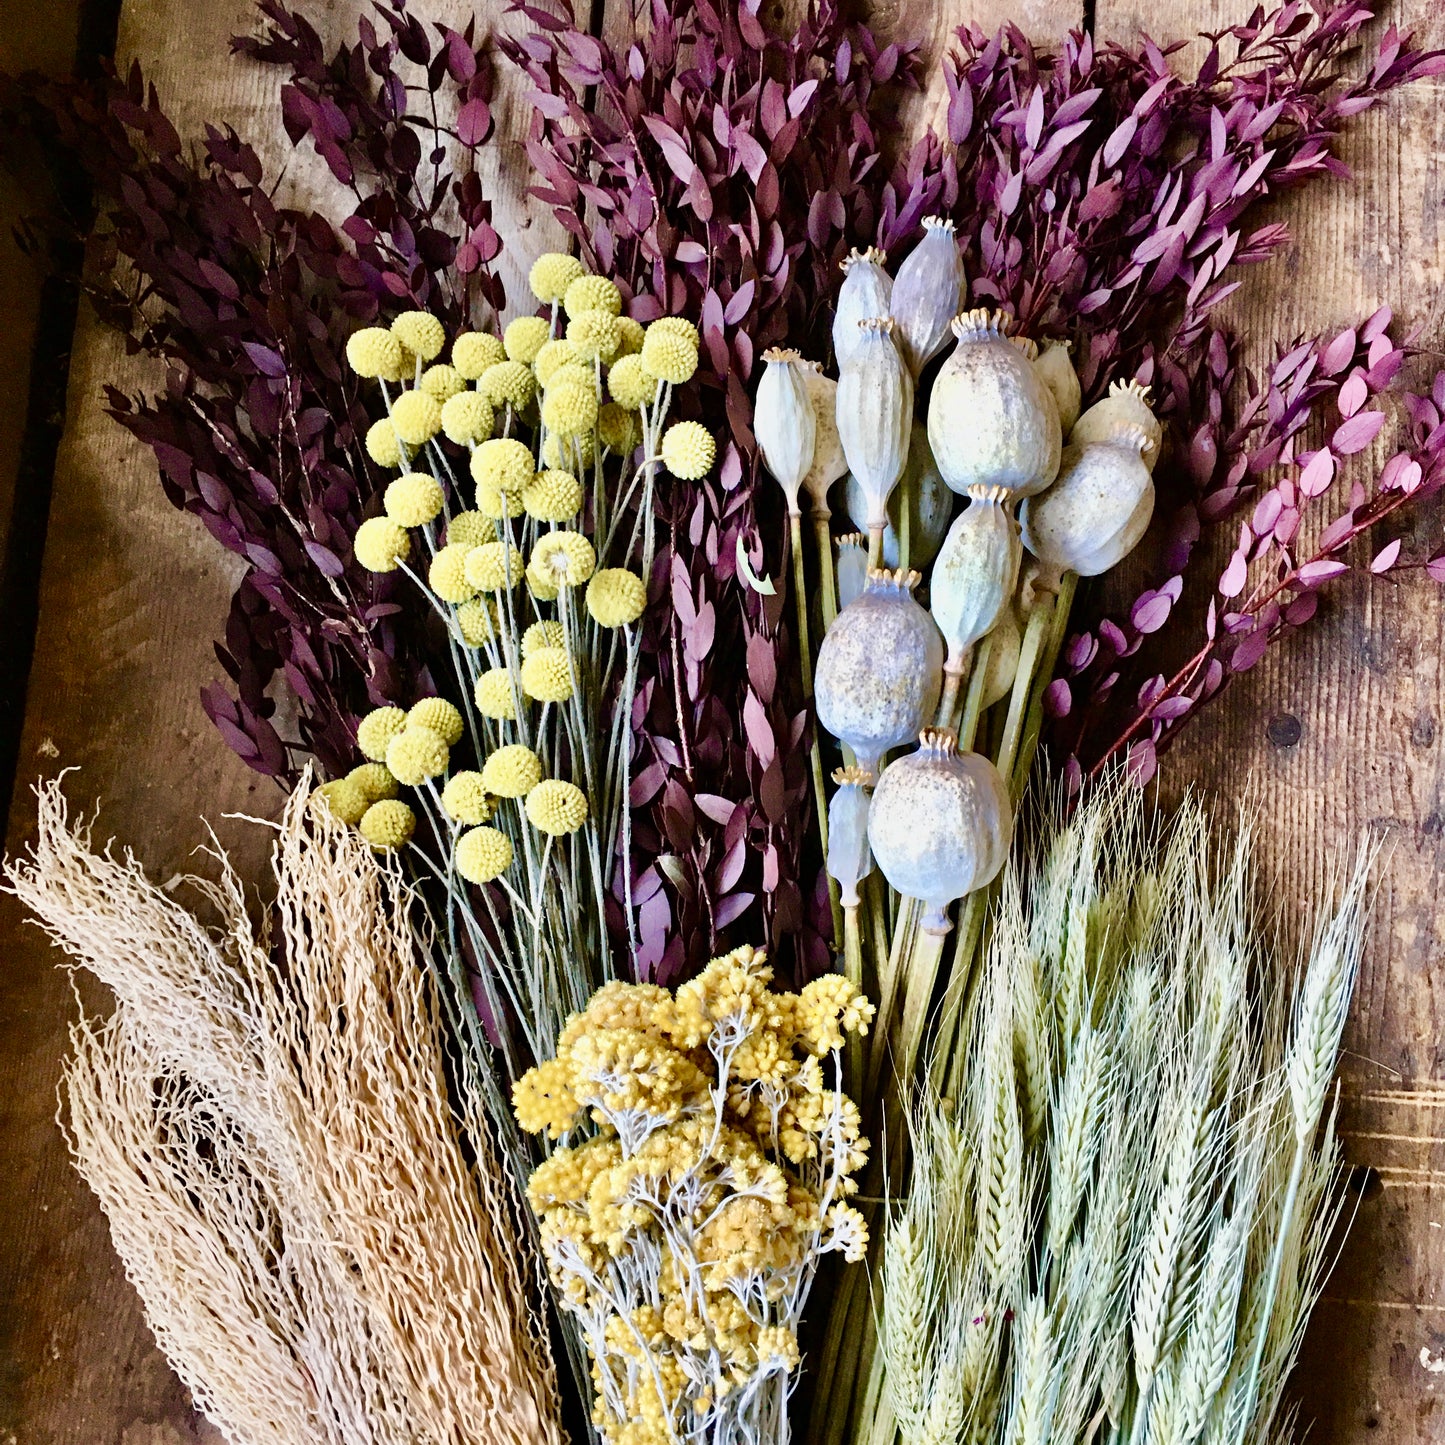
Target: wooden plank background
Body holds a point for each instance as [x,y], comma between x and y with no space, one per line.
[1338,733]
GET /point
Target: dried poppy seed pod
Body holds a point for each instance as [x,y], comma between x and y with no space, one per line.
[875,416]
[828,463]
[1005,642]
[1127,405]
[783,421]
[928,293]
[991,420]
[930,506]
[879,669]
[975,574]
[852,568]
[1097,511]
[1056,370]
[865,292]
[849,858]
[940,825]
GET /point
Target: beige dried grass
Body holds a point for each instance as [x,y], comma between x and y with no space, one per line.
[270,1136]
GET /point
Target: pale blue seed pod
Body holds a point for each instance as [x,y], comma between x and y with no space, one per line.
[1126,405]
[783,421]
[1055,367]
[928,293]
[867,290]
[930,502]
[1005,643]
[940,825]
[852,568]
[976,573]
[875,416]
[850,860]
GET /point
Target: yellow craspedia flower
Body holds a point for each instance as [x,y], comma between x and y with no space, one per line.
[508,383]
[374,780]
[556,808]
[417,417]
[382,445]
[592,293]
[629,336]
[546,675]
[525,337]
[442,382]
[503,462]
[631,384]
[552,274]
[477,621]
[542,588]
[440,716]
[380,545]
[494,696]
[471,529]
[566,453]
[467,418]
[563,558]
[447,575]
[374,352]
[678,326]
[616,596]
[568,407]
[668,356]
[474,351]
[512,771]
[413,499]
[483,854]
[543,634]
[573,373]
[388,824]
[552,496]
[406,370]
[617,428]
[688,450]
[376,730]
[492,501]
[465,799]
[554,354]
[595,334]
[416,754]
[421,333]
[344,800]
[493,566]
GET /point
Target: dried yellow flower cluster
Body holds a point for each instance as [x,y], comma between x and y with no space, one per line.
[685,1234]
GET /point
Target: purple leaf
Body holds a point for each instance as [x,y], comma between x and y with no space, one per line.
[1386,557]
[1358,432]
[1313,574]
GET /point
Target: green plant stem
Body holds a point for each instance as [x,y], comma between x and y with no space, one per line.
[1022,760]
[823,535]
[853,972]
[875,548]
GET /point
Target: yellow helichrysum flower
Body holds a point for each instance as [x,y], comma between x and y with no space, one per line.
[376,730]
[556,808]
[668,356]
[542,634]
[417,417]
[525,337]
[503,462]
[551,275]
[483,854]
[512,771]
[374,779]
[616,596]
[617,428]
[440,716]
[494,695]
[630,335]
[477,621]
[413,499]
[467,418]
[551,356]
[678,326]
[565,559]
[447,575]
[344,800]
[421,333]
[508,383]
[416,754]
[382,445]
[470,529]
[374,352]
[592,293]
[566,453]
[474,351]
[569,407]
[631,384]
[465,799]
[442,381]
[688,450]
[552,496]
[547,676]
[493,566]
[380,545]
[388,824]
[543,1099]
[595,334]
[828,1008]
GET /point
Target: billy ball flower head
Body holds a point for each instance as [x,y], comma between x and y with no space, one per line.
[525,337]
[569,407]
[483,854]
[375,781]
[546,675]
[492,501]
[421,333]
[440,716]
[565,558]
[617,428]
[376,730]
[442,381]
[678,326]
[668,356]
[465,799]
[467,418]
[382,445]
[388,824]
[552,274]
[413,499]
[374,352]
[447,575]
[512,771]
[343,800]
[688,450]
[595,334]
[508,383]
[631,384]
[474,351]
[380,544]
[556,808]
[502,462]
[471,529]
[542,634]
[552,496]
[543,589]
[493,566]
[417,417]
[616,597]
[630,335]
[494,697]
[592,293]
[416,754]
[565,453]
[477,621]
[550,356]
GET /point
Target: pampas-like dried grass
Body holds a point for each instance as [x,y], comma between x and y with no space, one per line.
[269,1133]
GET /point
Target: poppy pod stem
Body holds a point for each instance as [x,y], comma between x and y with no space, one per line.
[823,533]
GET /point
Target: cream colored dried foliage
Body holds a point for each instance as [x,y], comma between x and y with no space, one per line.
[271,1140]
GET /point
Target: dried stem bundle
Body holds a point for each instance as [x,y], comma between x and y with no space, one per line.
[269,1133]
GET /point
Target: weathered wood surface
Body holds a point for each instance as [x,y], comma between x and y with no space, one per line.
[133,593]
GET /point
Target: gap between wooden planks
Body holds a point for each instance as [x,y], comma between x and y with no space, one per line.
[133,593]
